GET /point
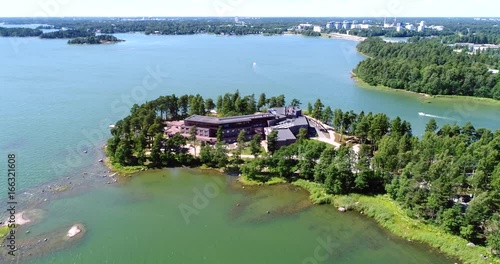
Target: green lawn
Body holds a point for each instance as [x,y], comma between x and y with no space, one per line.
[247,151]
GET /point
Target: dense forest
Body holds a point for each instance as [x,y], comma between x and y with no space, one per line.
[477,31]
[427,66]
[99,39]
[480,38]
[19,32]
[450,177]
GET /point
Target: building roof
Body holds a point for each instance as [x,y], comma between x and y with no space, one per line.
[226,120]
[300,121]
[285,134]
[289,123]
[284,111]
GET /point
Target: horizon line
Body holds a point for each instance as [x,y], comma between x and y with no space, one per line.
[138,16]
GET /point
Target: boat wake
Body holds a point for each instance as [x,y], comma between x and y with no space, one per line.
[435,116]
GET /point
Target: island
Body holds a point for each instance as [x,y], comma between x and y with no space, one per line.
[99,39]
[446,183]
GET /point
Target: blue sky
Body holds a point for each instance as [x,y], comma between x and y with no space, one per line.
[323,8]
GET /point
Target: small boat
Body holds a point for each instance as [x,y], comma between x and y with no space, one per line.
[421,113]
[111,126]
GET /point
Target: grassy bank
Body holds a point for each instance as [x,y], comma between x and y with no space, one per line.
[428,98]
[123,170]
[4,230]
[249,182]
[455,98]
[390,216]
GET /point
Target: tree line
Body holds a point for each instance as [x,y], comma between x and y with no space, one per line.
[19,32]
[427,66]
[71,33]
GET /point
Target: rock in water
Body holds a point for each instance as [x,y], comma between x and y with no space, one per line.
[75,230]
[342,209]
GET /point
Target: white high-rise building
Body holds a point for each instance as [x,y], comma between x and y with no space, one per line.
[346,25]
[421,27]
[398,27]
[386,25]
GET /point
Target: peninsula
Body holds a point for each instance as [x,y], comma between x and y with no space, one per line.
[427,66]
[447,181]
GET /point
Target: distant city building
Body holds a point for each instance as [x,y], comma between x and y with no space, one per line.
[236,20]
[410,27]
[317,29]
[301,27]
[364,26]
[346,25]
[421,27]
[386,24]
[438,28]
[398,27]
[337,25]
[329,25]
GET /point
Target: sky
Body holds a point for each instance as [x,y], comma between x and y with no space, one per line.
[251,8]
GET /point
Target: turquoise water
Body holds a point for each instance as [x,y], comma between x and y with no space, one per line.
[58,100]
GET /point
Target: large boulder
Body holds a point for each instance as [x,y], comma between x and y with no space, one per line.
[74,231]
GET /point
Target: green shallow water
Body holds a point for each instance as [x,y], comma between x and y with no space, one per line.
[141,222]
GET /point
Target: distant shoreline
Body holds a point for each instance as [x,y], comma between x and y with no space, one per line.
[425,97]
[345,37]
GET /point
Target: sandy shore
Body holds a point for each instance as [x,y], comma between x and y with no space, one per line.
[346,37]
[20,220]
